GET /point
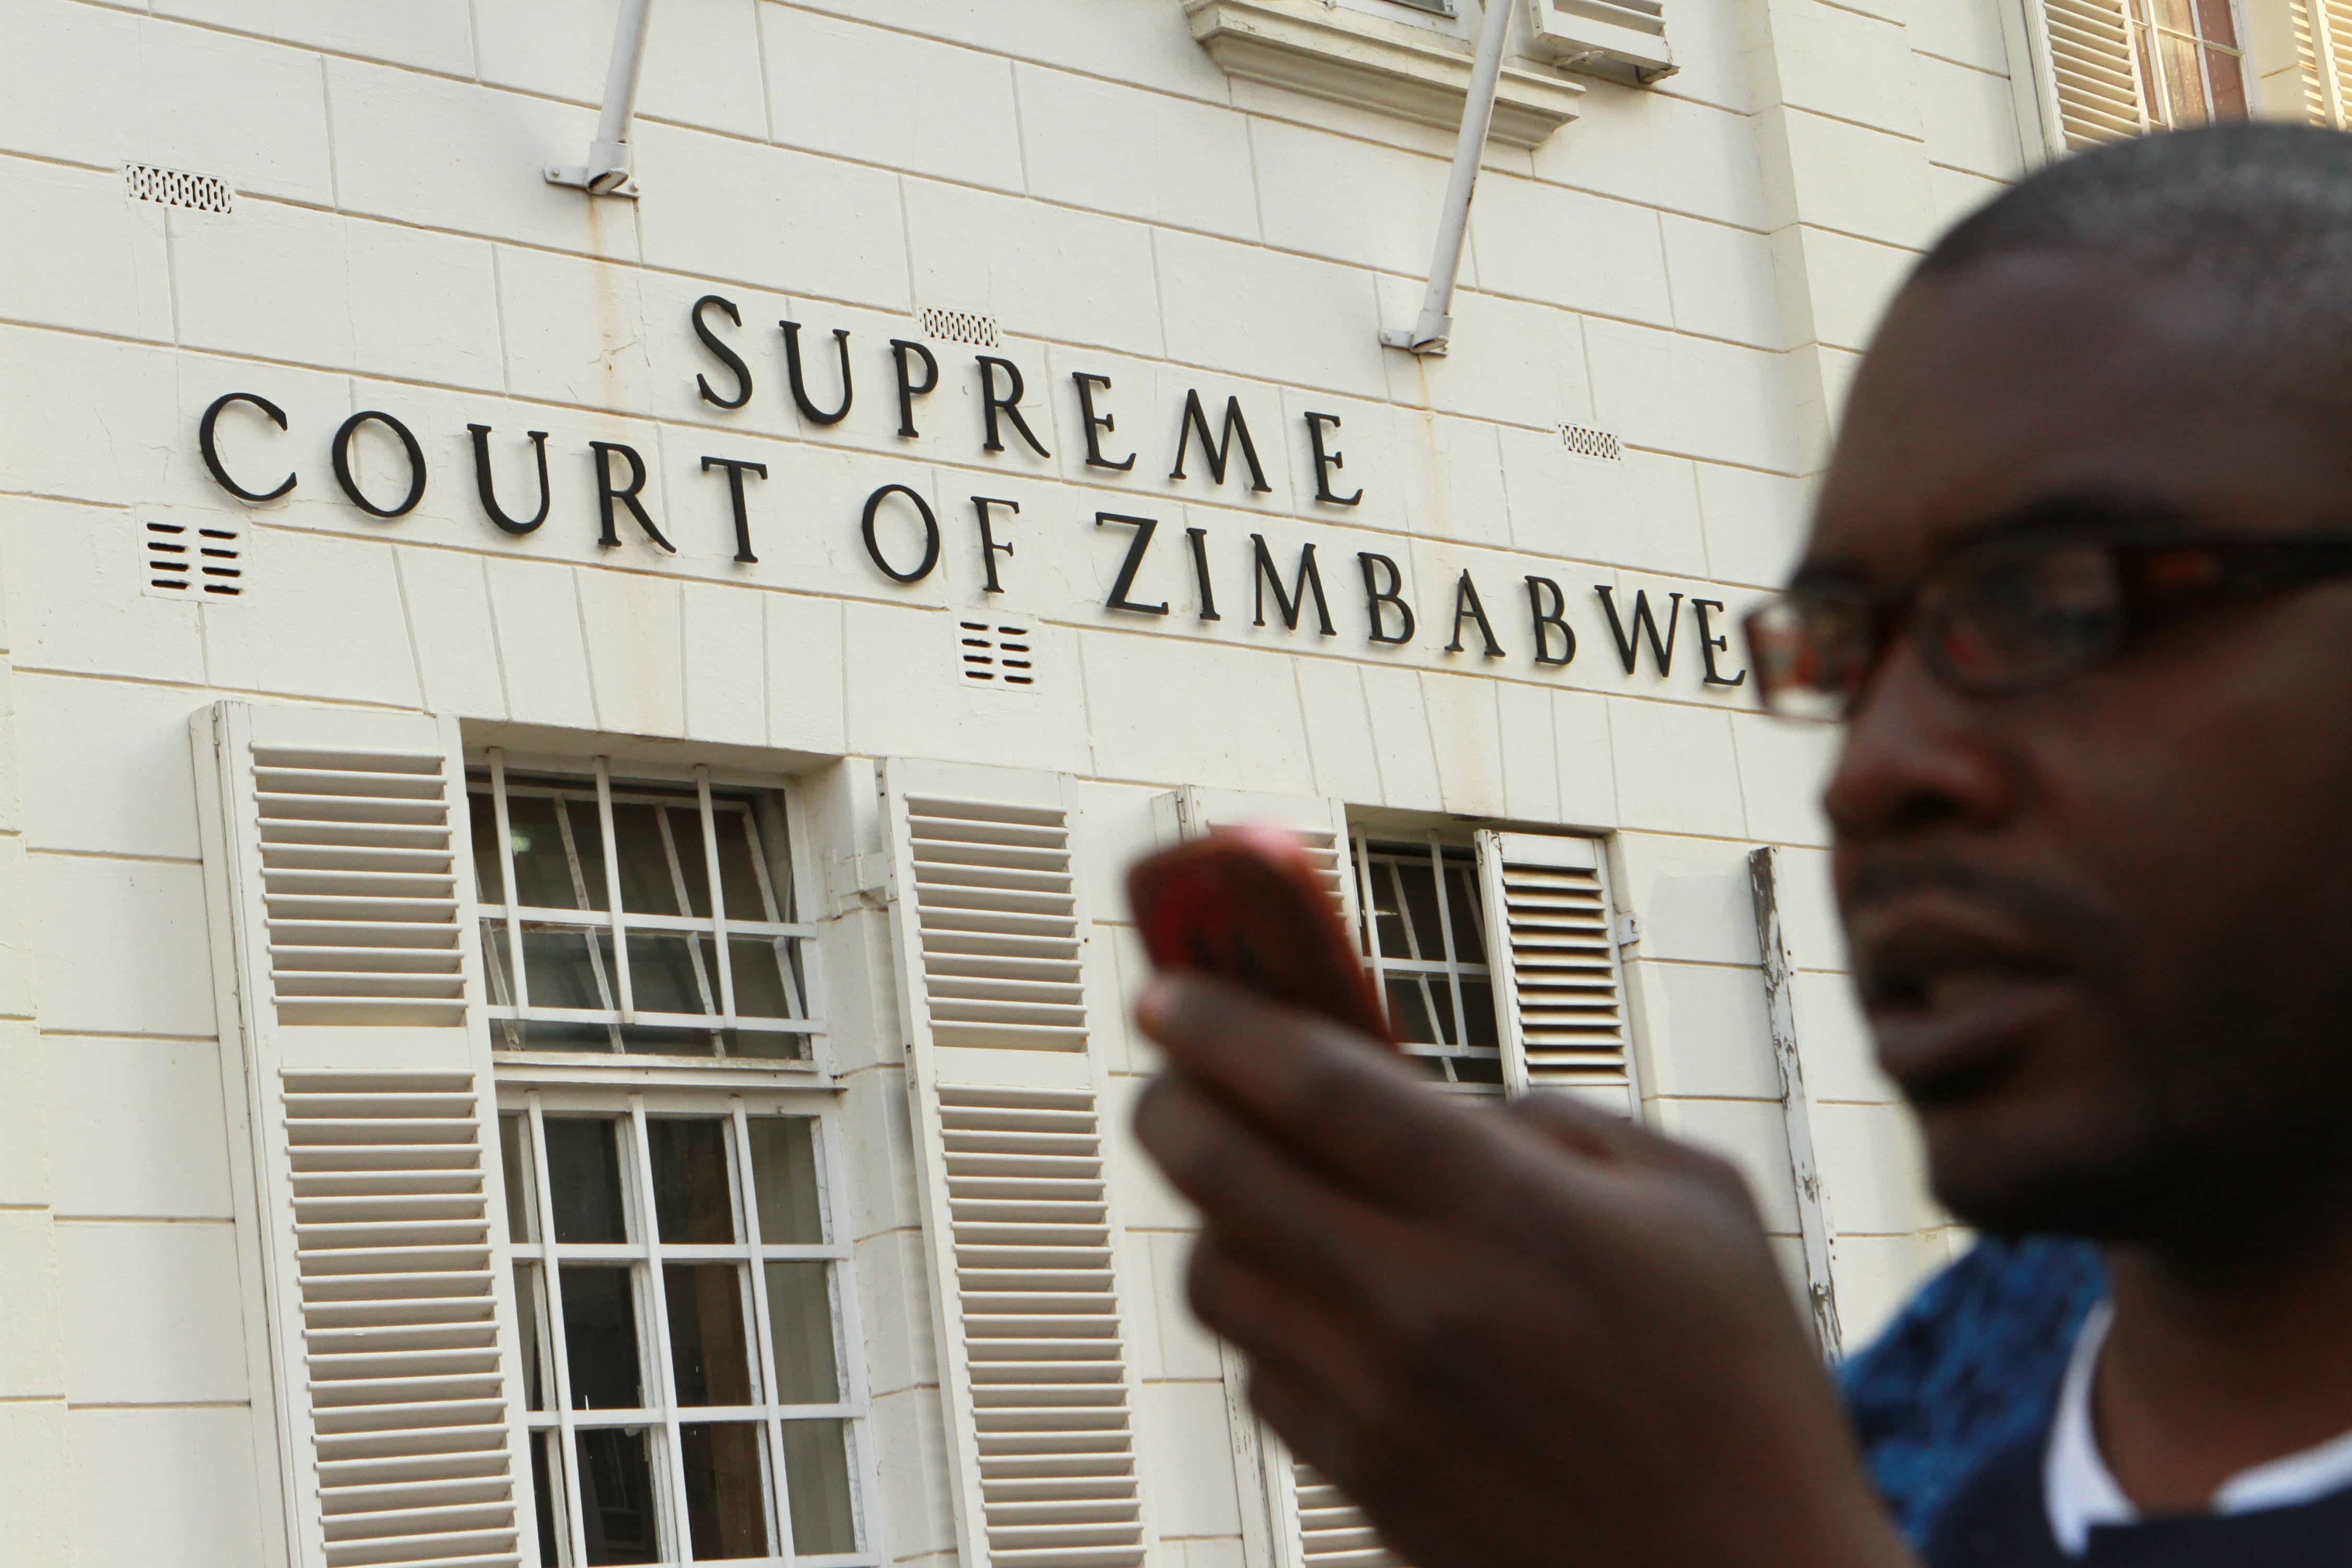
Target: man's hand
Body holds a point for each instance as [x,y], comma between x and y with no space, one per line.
[1533,1338]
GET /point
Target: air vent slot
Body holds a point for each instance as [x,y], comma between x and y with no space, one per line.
[1587,442]
[177,188]
[190,561]
[994,654]
[967,327]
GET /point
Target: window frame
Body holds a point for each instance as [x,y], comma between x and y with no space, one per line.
[604,772]
[645,1256]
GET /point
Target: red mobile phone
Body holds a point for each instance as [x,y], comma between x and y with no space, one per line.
[1249,904]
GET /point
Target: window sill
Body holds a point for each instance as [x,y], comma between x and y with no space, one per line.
[1413,72]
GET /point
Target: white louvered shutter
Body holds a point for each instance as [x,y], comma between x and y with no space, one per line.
[2096,70]
[2323,49]
[1321,824]
[1313,1523]
[1560,992]
[992,925]
[341,894]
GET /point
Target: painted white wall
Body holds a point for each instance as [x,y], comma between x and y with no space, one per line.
[1693,267]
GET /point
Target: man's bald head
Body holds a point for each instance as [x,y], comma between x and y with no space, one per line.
[2259,215]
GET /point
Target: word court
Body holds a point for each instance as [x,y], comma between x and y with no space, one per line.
[904,537]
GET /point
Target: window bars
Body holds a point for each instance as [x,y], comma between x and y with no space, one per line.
[623,946]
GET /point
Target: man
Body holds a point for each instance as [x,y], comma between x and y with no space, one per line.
[2080,588]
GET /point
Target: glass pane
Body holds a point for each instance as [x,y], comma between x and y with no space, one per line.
[565,971]
[537,1035]
[799,1323]
[2219,26]
[600,1337]
[584,1173]
[1420,909]
[2177,14]
[709,1350]
[495,955]
[1476,1069]
[530,1335]
[616,1496]
[1384,910]
[760,1044]
[783,1176]
[1463,906]
[2229,85]
[514,1156]
[738,870]
[693,861]
[691,1201]
[545,1481]
[489,870]
[646,886]
[2184,82]
[544,875]
[652,1040]
[672,972]
[1409,1012]
[726,1503]
[761,988]
[817,1479]
[1478,1003]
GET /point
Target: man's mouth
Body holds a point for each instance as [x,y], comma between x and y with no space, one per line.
[1953,990]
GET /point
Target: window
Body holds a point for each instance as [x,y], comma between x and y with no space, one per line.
[622,947]
[2191,67]
[678,1280]
[2122,67]
[1425,929]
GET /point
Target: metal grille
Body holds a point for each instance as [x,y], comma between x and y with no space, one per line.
[992,654]
[1033,1260]
[177,188]
[359,887]
[959,327]
[998,911]
[399,1322]
[179,560]
[1424,936]
[1587,442]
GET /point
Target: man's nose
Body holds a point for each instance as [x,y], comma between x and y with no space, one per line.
[1917,755]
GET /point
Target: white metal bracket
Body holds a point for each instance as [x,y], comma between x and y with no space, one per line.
[1628,929]
[607,172]
[859,881]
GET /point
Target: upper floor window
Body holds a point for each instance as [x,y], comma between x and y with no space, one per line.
[622,947]
[1424,935]
[2191,64]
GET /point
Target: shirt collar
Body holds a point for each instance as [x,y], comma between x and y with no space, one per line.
[2080,1492]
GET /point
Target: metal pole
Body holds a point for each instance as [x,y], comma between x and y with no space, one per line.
[1432,333]
[607,173]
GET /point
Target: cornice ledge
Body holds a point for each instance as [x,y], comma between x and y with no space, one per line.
[1348,57]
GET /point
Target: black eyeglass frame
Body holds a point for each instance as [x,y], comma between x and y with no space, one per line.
[2159,573]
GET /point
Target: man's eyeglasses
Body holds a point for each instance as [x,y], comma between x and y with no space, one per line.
[2015,613]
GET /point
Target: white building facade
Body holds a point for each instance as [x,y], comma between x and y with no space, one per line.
[568,758]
